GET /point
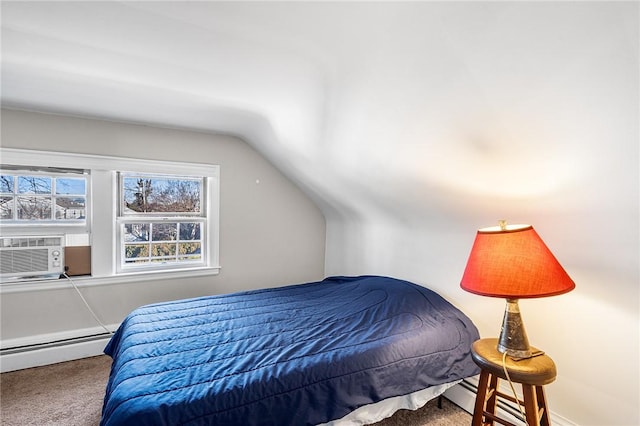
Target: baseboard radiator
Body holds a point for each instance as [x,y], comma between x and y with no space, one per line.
[21,353]
[464,395]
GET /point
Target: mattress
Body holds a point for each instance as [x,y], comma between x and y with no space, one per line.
[295,355]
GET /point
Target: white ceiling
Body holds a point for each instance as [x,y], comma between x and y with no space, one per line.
[358,101]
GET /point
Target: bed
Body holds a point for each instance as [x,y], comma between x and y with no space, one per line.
[303,354]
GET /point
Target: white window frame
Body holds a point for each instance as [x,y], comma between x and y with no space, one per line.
[53,226]
[103,236]
[125,217]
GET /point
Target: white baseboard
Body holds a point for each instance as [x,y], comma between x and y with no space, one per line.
[464,396]
[51,348]
[461,396]
[51,355]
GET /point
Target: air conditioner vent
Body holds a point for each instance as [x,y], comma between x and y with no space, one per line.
[31,257]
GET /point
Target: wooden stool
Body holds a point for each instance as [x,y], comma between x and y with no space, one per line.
[532,374]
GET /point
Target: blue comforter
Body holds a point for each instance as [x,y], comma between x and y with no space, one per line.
[295,355]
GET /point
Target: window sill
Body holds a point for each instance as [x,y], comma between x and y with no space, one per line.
[89,281]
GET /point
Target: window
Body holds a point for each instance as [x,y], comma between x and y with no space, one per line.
[42,197]
[162,221]
[159,221]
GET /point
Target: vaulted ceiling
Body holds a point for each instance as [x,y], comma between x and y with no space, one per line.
[384,107]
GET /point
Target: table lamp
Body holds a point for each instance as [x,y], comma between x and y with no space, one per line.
[513,262]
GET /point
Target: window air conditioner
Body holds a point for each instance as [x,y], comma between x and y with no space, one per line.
[31,257]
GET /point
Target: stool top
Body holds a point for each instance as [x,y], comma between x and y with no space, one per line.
[539,370]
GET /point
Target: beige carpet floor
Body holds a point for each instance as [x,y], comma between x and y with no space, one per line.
[71,394]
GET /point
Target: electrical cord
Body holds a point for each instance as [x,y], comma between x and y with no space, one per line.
[86,303]
[513,389]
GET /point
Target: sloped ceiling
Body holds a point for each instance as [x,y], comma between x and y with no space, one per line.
[419,104]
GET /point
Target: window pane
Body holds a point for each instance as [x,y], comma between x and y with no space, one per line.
[136,192]
[34,185]
[164,231]
[163,249]
[136,251]
[157,195]
[6,184]
[43,199]
[136,232]
[189,231]
[68,208]
[34,208]
[190,249]
[70,186]
[157,243]
[6,207]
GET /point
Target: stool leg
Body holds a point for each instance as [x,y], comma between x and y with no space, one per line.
[530,405]
[492,401]
[545,420]
[480,399]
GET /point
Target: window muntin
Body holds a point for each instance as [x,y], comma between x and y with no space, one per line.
[162,242]
[28,198]
[162,221]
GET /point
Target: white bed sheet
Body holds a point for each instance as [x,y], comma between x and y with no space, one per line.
[372,413]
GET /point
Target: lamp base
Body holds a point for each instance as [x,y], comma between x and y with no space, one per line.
[513,338]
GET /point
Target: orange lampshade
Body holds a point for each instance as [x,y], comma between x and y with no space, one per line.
[513,262]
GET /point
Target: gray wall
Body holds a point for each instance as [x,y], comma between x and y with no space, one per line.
[271,233]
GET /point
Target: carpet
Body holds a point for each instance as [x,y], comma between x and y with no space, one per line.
[71,394]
